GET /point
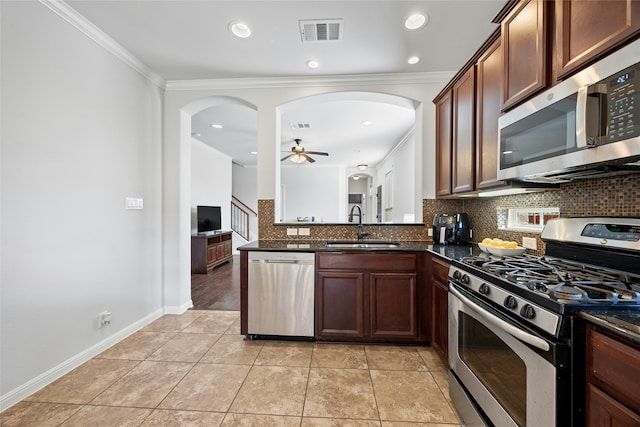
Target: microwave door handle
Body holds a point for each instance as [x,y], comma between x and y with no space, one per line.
[496,321]
[581,118]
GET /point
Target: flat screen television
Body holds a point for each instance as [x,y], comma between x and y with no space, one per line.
[208,218]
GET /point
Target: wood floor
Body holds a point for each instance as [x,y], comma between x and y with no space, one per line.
[219,289]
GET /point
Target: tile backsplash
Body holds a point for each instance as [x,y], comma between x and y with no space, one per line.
[612,196]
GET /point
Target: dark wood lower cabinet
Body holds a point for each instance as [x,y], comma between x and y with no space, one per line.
[613,375]
[392,305]
[340,305]
[367,297]
[440,307]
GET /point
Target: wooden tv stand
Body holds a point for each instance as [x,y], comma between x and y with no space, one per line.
[208,250]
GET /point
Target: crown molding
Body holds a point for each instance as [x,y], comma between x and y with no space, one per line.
[70,15]
[289,82]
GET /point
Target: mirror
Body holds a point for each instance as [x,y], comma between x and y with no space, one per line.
[371,156]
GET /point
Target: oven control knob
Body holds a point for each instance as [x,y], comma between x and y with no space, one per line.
[465,279]
[484,289]
[457,275]
[527,311]
[510,302]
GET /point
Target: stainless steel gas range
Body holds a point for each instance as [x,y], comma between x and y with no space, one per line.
[516,350]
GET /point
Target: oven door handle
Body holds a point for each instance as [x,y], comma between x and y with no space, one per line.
[496,321]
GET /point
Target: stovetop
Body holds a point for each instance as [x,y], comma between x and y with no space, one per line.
[562,281]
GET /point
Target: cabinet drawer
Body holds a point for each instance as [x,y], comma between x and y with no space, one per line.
[367,262]
[614,367]
[440,270]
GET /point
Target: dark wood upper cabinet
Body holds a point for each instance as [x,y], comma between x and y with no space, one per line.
[463,147]
[584,30]
[524,44]
[443,145]
[488,105]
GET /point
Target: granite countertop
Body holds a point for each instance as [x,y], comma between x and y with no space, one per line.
[625,323]
[449,252]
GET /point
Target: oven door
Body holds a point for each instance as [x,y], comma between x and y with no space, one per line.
[504,370]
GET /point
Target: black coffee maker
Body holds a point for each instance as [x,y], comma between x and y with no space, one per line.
[451,229]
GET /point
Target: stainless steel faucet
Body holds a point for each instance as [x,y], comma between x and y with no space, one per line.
[361,233]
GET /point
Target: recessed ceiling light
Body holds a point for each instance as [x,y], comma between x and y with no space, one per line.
[415,21]
[240,29]
[356,177]
[196,134]
[312,63]
[413,60]
[254,152]
[216,126]
[367,123]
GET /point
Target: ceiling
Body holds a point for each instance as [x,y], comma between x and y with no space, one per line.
[187,40]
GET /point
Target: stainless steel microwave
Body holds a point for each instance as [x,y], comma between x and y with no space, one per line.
[586,126]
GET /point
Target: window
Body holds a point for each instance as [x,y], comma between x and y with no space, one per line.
[530,219]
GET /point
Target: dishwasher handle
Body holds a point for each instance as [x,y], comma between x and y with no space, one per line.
[280,261]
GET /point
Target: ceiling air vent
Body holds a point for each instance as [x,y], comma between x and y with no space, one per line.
[299,125]
[321,30]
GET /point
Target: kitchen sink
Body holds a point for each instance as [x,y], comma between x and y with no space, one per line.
[351,244]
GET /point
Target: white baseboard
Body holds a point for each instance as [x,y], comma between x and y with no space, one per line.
[19,393]
[178,309]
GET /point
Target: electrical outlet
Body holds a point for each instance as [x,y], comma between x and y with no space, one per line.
[292,231]
[529,243]
[430,232]
[104,318]
[303,231]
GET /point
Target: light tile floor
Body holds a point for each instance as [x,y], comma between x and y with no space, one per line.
[195,369]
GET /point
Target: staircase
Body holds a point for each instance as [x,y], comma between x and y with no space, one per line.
[242,217]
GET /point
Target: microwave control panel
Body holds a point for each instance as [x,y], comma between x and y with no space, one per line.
[624,104]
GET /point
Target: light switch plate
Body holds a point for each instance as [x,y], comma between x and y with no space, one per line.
[134,203]
[529,243]
[303,231]
[292,231]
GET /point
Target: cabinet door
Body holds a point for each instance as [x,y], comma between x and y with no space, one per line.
[587,29]
[603,410]
[463,132]
[443,145]
[524,44]
[440,307]
[220,251]
[392,305]
[340,305]
[211,253]
[488,104]
[440,332]
[227,248]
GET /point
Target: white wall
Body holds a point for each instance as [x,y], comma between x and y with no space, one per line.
[210,182]
[401,161]
[305,183]
[81,132]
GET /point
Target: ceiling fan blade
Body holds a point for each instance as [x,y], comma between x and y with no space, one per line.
[318,153]
[286,157]
[309,159]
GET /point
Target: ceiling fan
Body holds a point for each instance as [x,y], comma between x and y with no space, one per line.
[298,155]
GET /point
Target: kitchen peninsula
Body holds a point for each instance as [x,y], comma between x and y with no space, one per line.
[379,292]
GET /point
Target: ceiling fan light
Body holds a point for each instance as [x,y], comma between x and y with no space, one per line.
[298,159]
[362,167]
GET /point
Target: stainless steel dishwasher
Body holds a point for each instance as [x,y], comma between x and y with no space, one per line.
[281,293]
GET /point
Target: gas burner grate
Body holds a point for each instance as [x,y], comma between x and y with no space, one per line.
[562,280]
